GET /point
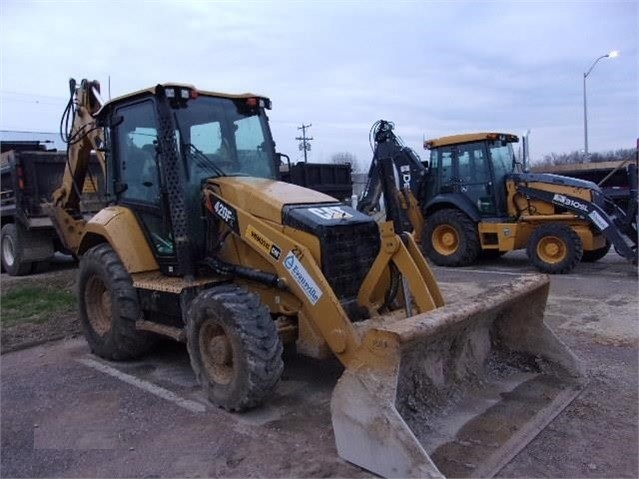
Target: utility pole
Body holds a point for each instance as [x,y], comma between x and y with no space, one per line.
[305,144]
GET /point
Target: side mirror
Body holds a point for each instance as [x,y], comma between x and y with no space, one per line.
[280,162]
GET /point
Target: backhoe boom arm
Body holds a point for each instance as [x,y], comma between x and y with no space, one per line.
[84,137]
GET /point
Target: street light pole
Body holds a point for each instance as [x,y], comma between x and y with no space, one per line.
[612,54]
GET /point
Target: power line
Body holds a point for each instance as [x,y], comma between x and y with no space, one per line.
[34,101]
[305,144]
[9,92]
[31,132]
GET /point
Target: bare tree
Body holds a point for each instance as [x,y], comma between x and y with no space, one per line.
[346,158]
[577,156]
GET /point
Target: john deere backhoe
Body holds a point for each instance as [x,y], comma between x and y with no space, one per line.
[199,243]
[471,201]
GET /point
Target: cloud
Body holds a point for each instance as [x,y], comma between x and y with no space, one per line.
[434,68]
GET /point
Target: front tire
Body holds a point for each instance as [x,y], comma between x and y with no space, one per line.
[234,347]
[597,254]
[109,306]
[554,248]
[450,238]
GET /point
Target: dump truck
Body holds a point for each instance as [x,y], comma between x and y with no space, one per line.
[30,172]
[334,179]
[200,243]
[473,199]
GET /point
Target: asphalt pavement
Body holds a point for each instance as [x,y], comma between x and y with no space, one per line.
[67,413]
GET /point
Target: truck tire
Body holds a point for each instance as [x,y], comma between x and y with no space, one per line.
[596,254]
[11,251]
[554,248]
[450,238]
[234,347]
[109,307]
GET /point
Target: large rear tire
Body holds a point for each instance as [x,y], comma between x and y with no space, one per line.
[234,346]
[11,253]
[450,238]
[109,306]
[554,248]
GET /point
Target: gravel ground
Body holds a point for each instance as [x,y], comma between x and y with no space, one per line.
[61,418]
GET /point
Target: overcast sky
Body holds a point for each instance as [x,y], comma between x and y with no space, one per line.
[433,68]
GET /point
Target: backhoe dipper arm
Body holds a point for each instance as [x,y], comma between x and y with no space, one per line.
[391,158]
[85,136]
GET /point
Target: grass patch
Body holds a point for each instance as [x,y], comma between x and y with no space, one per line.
[34,304]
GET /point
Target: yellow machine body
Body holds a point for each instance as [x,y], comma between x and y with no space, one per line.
[426,385]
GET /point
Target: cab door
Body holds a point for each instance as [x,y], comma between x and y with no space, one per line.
[138,176]
[473,176]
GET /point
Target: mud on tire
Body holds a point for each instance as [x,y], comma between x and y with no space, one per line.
[234,347]
[109,307]
[450,238]
[554,248]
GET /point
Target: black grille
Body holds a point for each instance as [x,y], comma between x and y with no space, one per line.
[348,253]
[349,245]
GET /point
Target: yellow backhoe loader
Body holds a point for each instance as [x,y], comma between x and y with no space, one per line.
[474,200]
[198,242]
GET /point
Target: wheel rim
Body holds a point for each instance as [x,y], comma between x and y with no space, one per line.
[445,240]
[551,250]
[217,353]
[98,305]
[8,251]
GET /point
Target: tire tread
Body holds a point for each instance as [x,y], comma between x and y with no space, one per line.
[258,332]
[470,247]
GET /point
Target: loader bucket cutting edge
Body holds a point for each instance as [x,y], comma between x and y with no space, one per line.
[465,387]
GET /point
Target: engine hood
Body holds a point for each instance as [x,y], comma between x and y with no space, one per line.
[265,198]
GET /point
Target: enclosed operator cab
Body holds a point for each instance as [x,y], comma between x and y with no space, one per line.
[473,168]
[167,141]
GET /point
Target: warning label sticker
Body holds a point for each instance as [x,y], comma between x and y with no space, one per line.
[597,219]
[302,278]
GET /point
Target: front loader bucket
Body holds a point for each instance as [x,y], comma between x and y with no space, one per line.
[459,391]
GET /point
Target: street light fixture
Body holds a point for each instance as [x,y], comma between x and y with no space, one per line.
[612,54]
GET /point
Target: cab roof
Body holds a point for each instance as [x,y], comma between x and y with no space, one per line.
[152,91]
[469,137]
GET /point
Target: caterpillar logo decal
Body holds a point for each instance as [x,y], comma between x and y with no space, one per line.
[331,213]
[263,243]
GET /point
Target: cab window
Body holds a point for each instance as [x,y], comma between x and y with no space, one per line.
[136,144]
